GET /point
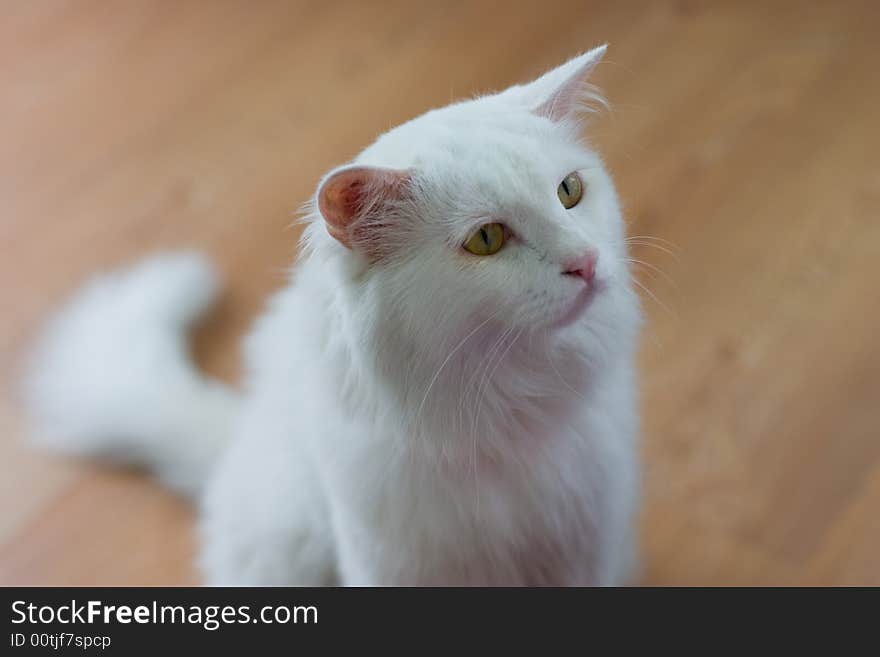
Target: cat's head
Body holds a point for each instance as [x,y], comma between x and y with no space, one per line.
[491,210]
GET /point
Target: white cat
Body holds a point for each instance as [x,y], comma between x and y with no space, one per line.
[444,394]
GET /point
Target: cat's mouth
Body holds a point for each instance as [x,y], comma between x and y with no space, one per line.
[578,306]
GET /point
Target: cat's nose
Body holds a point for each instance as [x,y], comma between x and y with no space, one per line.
[583,267]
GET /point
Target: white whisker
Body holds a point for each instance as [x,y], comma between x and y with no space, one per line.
[652,296]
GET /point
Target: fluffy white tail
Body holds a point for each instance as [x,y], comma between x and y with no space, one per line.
[112,377]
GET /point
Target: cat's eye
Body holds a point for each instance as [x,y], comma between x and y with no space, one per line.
[570,190]
[488,240]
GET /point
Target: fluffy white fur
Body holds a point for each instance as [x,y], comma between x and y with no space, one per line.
[412,414]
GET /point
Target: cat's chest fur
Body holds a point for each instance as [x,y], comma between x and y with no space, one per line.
[539,523]
[551,514]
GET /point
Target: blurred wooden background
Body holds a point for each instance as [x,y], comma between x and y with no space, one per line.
[745,133]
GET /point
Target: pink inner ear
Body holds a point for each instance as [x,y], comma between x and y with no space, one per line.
[564,99]
[350,194]
[561,103]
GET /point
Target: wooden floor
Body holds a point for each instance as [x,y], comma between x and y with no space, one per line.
[746,134]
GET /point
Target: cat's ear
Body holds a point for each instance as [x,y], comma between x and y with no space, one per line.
[560,93]
[350,197]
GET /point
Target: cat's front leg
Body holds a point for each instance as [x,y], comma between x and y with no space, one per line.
[264,520]
[280,558]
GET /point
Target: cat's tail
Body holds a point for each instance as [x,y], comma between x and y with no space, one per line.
[112,378]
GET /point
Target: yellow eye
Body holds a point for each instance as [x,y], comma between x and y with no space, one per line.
[488,240]
[570,190]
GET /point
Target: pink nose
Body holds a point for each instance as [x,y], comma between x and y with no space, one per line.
[583,267]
